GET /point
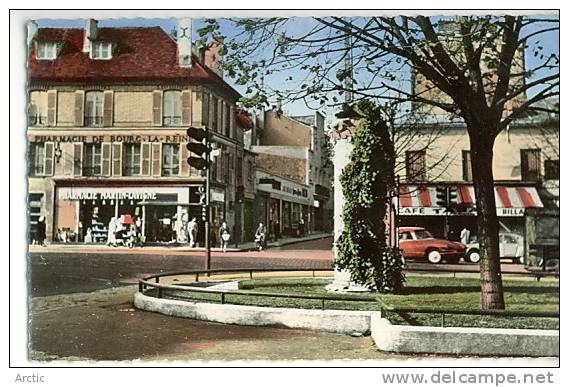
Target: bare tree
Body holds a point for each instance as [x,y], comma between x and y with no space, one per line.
[469,67]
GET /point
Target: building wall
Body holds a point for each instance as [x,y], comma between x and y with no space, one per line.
[444,152]
[289,167]
[281,130]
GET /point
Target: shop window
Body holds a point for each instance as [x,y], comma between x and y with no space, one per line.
[172,110]
[170,159]
[36,158]
[551,169]
[415,165]
[531,164]
[94,108]
[46,51]
[131,159]
[92,160]
[37,108]
[466,166]
[102,50]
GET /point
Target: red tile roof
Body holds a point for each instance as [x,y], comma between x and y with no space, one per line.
[141,54]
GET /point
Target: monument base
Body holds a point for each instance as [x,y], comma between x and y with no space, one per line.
[342,283]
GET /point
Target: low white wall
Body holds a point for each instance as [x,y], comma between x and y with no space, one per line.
[336,321]
[463,341]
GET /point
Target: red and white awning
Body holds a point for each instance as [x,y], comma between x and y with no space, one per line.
[510,201]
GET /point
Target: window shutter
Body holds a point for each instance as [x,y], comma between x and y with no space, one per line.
[48,159]
[79,106]
[197,107]
[220,127]
[106,159]
[52,107]
[108,108]
[231,121]
[156,159]
[205,108]
[187,107]
[184,166]
[117,159]
[77,159]
[145,159]
[157,108]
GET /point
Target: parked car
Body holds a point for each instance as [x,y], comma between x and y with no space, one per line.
[418,243]
[511,247]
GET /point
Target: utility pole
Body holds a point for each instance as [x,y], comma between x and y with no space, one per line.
[208,211]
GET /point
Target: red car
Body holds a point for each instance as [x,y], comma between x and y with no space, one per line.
[418,243]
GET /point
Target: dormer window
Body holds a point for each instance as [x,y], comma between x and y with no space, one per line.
[46,51]
[101,50]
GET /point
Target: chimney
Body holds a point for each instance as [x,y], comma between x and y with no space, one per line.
[32,31]
[91,31]
[213,57]
[184,41]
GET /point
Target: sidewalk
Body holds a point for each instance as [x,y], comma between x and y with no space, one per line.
[179,248]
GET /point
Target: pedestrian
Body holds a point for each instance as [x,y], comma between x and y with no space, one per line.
[40,231]
[224,236]
[111,236]
[260,236]
[193,231]
[301,228]
[465,236]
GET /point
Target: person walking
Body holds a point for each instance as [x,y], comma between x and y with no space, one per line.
[260,236]
[465,236]
[224,236]
[40,231]
[193,231]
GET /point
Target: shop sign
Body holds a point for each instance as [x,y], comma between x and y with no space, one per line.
[111,138]
[217,195]
[92,195]
[438,211]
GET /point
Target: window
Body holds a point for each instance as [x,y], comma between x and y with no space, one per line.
[551,169]
[170,160]
[415,165]
[250,171]
[466,166]
[101,50]
[37,108]
[46,51]
[227,118]
[531,164]
[92,160]
[36,158]
[405,236]
[172,110]
[94,108]
[131,160]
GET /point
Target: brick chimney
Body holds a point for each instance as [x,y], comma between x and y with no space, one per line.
[184,41]
[91,31]
[213,57]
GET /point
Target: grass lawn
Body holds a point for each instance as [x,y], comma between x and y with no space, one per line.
[419,291]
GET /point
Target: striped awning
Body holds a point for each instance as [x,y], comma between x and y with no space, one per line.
[510,201]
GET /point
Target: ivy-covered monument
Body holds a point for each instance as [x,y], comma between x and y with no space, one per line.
[365,254]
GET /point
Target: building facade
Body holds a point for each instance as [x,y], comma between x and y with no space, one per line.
[294,173]
[108,111]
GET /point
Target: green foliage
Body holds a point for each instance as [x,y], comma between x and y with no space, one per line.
[366,183]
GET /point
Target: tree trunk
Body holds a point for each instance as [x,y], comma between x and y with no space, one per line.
[481,146]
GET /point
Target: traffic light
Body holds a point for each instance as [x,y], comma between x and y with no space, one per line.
[452,202]
[442,197]
[201,146]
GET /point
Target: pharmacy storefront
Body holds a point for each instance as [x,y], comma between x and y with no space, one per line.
[83,214]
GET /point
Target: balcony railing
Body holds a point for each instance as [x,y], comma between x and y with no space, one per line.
[37,120]
[172,120]
[94,121]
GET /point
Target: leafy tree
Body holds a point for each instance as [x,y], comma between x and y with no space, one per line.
[367,182]
[470,67]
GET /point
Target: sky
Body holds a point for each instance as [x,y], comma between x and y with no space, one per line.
[550,43]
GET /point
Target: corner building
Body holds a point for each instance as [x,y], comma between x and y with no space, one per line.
[108,111]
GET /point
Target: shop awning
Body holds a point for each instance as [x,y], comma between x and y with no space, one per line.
[510,200]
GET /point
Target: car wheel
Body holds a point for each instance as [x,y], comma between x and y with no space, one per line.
[434,256]
[473,256]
